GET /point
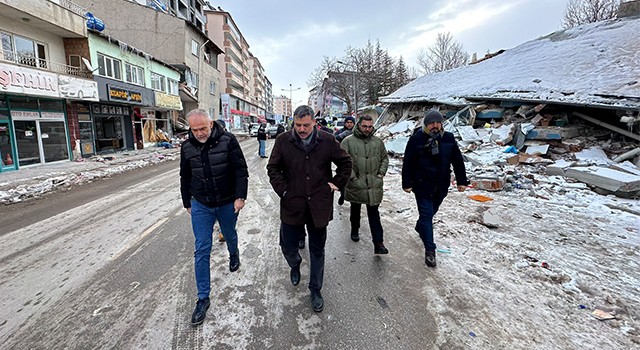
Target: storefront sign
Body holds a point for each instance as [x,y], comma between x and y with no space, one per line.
[118,94]
[15,79]
[24,115]
[168,101]
[226,108]
[76,88]
[52,115]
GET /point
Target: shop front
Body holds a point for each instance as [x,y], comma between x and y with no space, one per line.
[34,128]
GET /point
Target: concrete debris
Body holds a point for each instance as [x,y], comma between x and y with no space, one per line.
[491,218]
[512,145]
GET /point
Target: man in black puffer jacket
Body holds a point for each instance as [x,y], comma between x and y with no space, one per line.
[213,185]
[426,171]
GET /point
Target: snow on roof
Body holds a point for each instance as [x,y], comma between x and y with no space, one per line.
[596,64]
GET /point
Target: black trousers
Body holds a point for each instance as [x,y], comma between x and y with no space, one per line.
[290,235]
[374,220]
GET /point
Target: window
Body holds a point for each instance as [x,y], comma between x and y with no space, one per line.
[194,47]
[157,82]
[23,50]
[109,67]
[133,74]
[212,88]
[173,86]
[74,61]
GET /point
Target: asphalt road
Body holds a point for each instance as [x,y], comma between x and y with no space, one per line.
[109,265]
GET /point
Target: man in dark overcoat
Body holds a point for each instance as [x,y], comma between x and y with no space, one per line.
[426,171]
[300,173]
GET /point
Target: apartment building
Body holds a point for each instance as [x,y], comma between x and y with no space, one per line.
[244,89]
[176,36]
[282,105]
[38,79]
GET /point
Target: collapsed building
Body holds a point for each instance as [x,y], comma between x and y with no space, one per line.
[564,104]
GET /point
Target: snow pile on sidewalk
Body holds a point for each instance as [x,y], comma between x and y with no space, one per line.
[93,168]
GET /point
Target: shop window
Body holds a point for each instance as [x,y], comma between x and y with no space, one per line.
[53,106]
[23,102]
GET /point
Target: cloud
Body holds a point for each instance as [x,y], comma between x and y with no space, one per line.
[454,17]
[272,49]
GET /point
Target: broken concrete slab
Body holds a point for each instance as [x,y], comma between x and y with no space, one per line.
[491,218]
[396,145]
[626,167]
[407,125]
[489,182]
[503,135]
[552,133]
[607,179]
[593,156]
[559,167]
[468,133]
[539,149]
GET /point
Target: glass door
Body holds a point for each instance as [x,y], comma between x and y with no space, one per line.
[27,142]
[54,141]
[7,157]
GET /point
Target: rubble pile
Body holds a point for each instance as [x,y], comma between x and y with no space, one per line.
[531,147]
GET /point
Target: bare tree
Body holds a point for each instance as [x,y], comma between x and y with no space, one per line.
[445,54]
[580,12]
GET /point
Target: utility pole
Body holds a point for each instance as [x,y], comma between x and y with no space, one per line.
[291,90]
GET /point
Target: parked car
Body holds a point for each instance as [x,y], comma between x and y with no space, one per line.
[272,130]
[253,129]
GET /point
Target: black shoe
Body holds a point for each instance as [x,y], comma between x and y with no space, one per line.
[295,275]
[316,301]
[301,244]
[379,248]
[430,258]
[234,262]
[341,199]
[200,312]
[354,235]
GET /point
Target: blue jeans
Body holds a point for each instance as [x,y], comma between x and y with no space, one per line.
[427,208]
[262,148]
[202,220]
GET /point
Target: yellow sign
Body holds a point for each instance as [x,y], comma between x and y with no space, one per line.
[168,101]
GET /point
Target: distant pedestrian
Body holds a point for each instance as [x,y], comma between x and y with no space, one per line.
[300,173]
[370,163]
[340,135]
[426,171]
[262,140]
[279,129]
[213,185]
[346,130]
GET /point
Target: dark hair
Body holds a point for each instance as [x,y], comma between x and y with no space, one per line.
[303,111]
[364,117]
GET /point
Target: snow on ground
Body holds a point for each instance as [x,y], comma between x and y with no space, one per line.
[559,253]
[35,181]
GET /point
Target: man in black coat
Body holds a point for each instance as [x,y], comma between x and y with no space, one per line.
[300,173]
[426,171]
[213,185]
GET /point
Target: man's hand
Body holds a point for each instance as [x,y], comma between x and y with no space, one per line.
[238,204]
[188,210]
[333,187]
[461,188]
[380,176]
[408,190]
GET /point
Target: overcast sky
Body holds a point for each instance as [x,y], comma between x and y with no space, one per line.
[290,37]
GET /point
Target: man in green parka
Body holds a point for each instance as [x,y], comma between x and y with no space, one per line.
[370,163]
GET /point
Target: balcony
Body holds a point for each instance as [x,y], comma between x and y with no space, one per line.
[62,18]
[34,62]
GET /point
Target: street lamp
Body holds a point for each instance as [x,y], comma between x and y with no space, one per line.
[291,90]
[355,87]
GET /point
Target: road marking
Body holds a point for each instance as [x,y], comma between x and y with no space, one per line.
[139,238]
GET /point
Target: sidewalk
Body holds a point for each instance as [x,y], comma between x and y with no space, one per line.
[33,181]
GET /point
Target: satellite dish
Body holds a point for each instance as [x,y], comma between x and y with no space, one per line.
[88,64]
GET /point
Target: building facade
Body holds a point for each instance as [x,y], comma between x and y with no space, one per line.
[38,81]
[175,36]
[244,98]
